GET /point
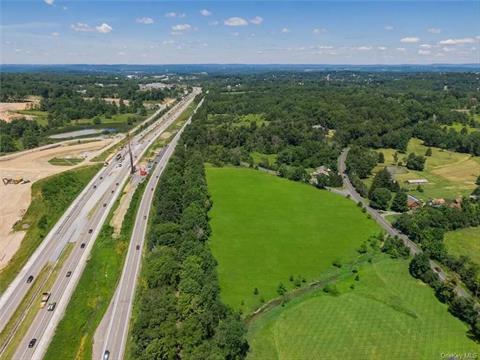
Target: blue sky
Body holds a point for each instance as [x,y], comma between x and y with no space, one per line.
[176,32]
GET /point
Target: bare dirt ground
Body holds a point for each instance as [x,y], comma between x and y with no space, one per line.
[33,166]
[8,110]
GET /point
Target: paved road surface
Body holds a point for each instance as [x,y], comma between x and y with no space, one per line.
[414,249]
[80,224]
[112,338]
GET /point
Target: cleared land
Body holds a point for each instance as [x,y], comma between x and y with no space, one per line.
[388,315]
[464,242]
[50,198]
[32,166]
[266,229]
[449,174]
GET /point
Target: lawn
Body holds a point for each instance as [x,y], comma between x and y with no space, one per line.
[266,229]
[450,174]
[464,242]
[388,315]
[50,198]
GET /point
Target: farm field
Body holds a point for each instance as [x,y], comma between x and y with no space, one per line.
[266,229]
[450,174]
[259,158]
[464,242]
[388,315]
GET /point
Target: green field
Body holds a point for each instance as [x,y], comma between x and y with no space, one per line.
[65,161]
[266,229]
[464,242]
[259,157]
[50,198]
[450,174]
[388,315]
[39,116]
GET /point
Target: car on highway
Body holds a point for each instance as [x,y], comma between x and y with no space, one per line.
[51,306]
[82,246]
[90,231]
[69,273]
[106,355]
[32,342]
[138,247]
[104,204]
[30,279]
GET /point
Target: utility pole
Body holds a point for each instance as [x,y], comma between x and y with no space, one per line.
[132,167]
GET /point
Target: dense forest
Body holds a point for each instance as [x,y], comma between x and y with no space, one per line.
[180,314]
[67,98]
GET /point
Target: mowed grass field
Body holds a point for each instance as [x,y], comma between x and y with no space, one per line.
[388,315]
[450,174]
[464,242]
[266,229]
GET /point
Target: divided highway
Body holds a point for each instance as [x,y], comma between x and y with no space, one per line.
[80,225]
[110,340]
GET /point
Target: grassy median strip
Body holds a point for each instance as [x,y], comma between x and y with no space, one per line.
[29,308]
[50,198]
[74,335]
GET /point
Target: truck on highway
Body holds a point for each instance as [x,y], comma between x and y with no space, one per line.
[45,297]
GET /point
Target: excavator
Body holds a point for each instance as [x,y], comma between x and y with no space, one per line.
[16,181]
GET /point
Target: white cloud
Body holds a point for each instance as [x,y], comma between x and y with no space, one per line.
[121,53]
[317,31]
[55,34]
[168,42]
[175,15]
[389,28]
[213,23]
[236,33]
[81,27]
[424,52]
[401,49]
[145,20]
[257,20]
[235,21]
[457,41]
[410,40]
[181,27]
[434,30]
[382,48]
[104,28]
[205,12]
[285,30]
[49,2]
[426,46]
[363,48]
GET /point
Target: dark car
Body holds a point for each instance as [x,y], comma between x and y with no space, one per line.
[30,279]
[138,247]
[145,217]
[105,205]
[90,231]
[106,355]
[101,177]
[116,184]
[94,186]
[113,191]
[32,342]
[69,273]
[82,245]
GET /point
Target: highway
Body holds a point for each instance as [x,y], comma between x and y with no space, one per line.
[112,338]
[80,225]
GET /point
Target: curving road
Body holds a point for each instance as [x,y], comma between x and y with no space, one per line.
[414,249]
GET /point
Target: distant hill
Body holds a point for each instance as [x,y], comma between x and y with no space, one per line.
[234,68]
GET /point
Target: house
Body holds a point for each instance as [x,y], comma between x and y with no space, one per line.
[413,202]
[437,202]
[417,181]
[321,170]
[456,204]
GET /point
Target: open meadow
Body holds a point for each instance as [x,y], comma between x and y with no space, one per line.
[388,315]
[449,174]
[464,242]
[266,229]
